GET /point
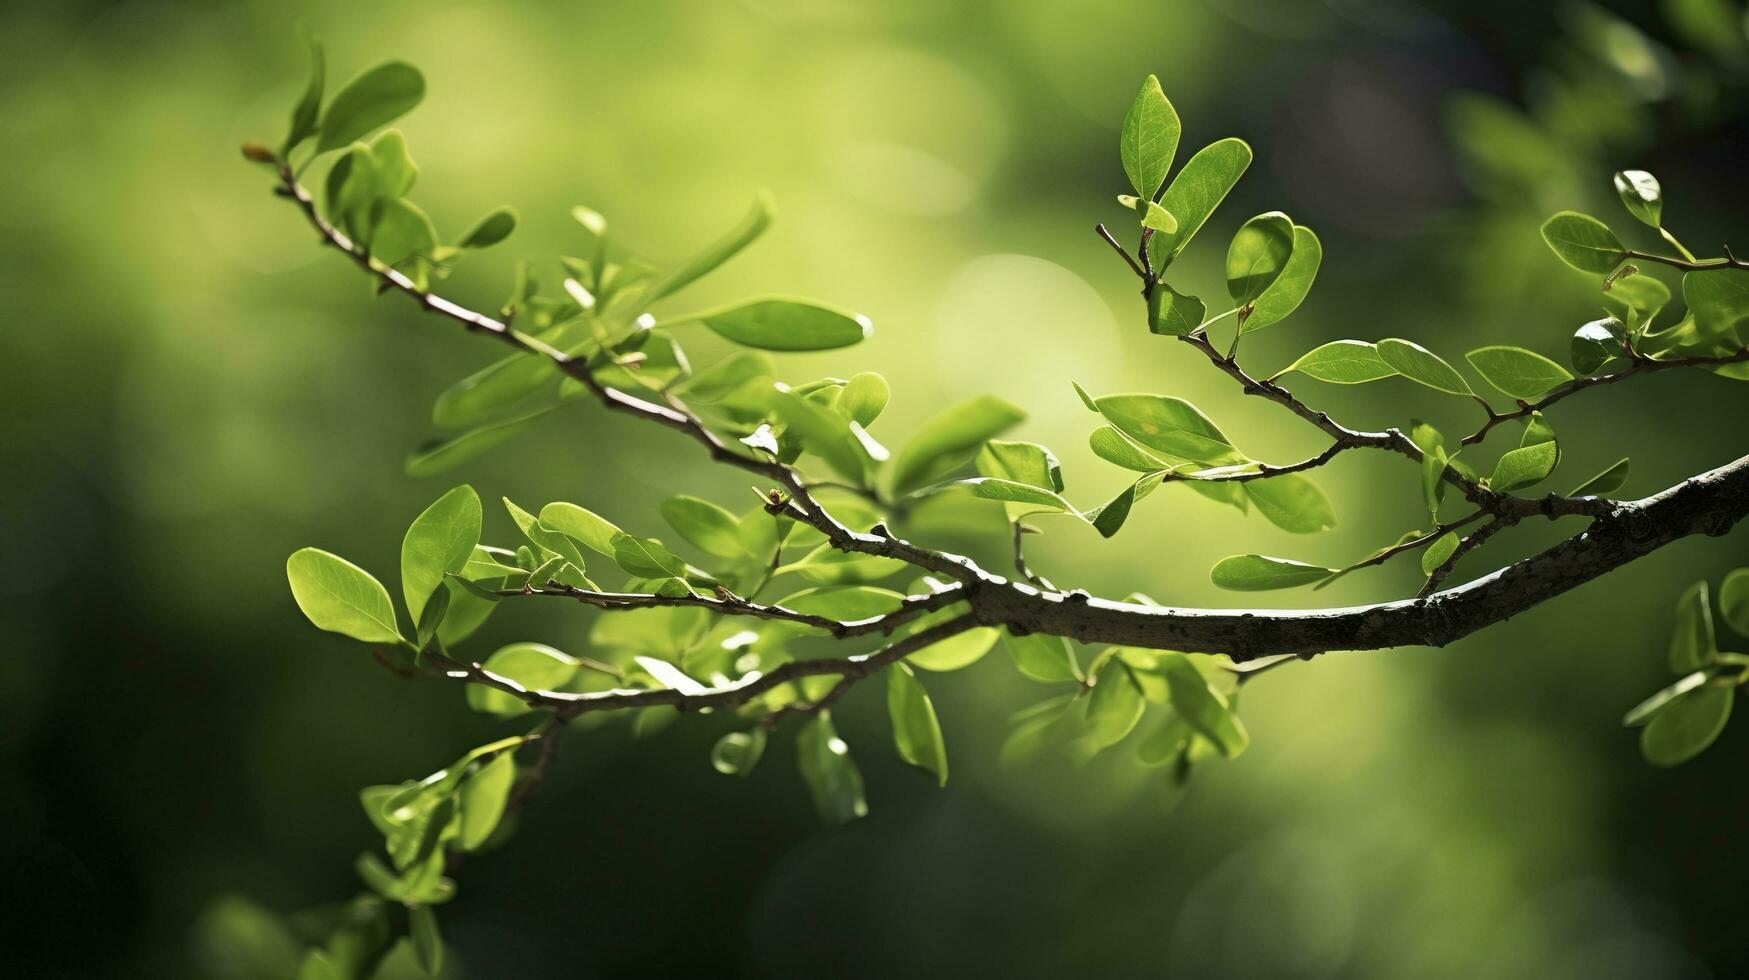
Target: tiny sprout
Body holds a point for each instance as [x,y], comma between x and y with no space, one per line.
[257,151]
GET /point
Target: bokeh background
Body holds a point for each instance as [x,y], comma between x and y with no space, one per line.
[192,390]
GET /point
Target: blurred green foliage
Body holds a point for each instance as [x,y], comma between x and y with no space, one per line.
[194,391]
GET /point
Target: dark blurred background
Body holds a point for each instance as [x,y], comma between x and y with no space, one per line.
[193,390]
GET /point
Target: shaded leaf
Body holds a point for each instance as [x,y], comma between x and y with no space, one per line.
[916,732]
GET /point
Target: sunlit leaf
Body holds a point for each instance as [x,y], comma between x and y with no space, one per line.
[1641,195]
[375,98]
[1149,139]
[1418,364]
[440,540]
[1524,467]
[1343,362]
[340,597]
[1041,657]
[1517,372]
[1293,502]
[483,797]
[949,438]
[1172,313]
[1193,195]
[1259,573]
[1583,242]
[916,732]
[704,524]
[490,230]
[1116,704]
[535,666]
[1437,552]
[1202,707]
[1606,483]
[785,325]
[1258,255]
[1169,425]
[1596,343]
[305,114]
[750,227]
[1287,292]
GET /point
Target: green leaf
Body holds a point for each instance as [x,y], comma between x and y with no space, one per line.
[1159,219]
[1684,728]
[916,732]
[1643,712]
[957,652]
[945,440]
[1172,313]
[863,398]
[1596,343]
[1693,644]
[596,532]
[1116,704]
[1734,600]
[736,753]
[483,798]
[404,237]
[1292,502]
[1021,462]
[844,603]
[1194,194]
[1638,296]
[1524,467]
[646,557]
[781,324]
[823,432]
[704,524]
[1169,425]
[1009,491]
[1605,483]
[1517,372]
[340,597]
[1287,292]
[1641,195]
[492,229]
[1433,464]
[427,941]
[1108,445]
[309,108]
[1438,552]
[1343,362]
[1109,518]
[831,776]
[1583,242]
[535,666]
[750,227]
[1418,364]
[1258,255]
[395,171]
[1718,299]
[439,541]
[1202,707]
[1041,657]
[1258,573]
[1149,140]
[375,98]
[548,542]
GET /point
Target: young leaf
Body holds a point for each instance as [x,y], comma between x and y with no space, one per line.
[1595,343]
[482,799]
[916,733]
[1641,296]
[1109,518]
[949,437]
[1693,644]
[1287,292]
[1292,502]
[1734,600]
[831,776]
[1583,242]
[863,398]
[492,229]
[1258,573]
[1204,708]
[1422,366]
[785,325]
[1258,255]
[1605,483]
[1043,658]
[1149,140]
[1516,371]
[396,172]
[1194,194]
[1009,491]
[1169,425]
[1158,218]
[340,597]
[375,98]
[1433,464]
[1685,727]
[1641,195]
[1116,704]
[736,753]
[439,541]
[1343,362]
[535,666]
[750,227]
[309,108]
[1438,552]
[1643,712]
[404,237]
[1172,313]
[1524,467]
